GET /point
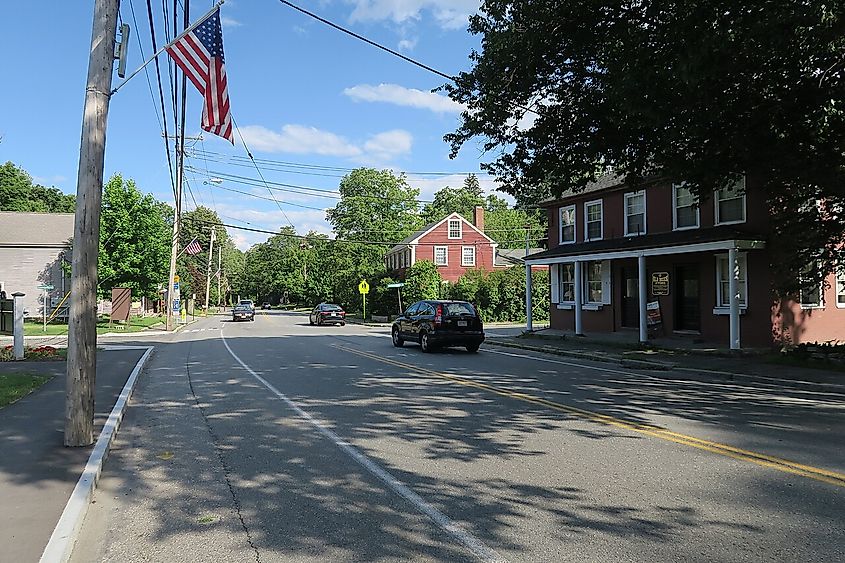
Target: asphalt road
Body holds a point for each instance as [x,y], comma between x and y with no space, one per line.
[276,441]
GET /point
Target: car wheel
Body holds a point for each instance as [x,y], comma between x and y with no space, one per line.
[472,348]
[310,321]
[425,342]
[343,324]
[397,340]
[319,321]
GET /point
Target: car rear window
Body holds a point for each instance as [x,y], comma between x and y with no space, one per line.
[242,308]
[458,309]
[330,308]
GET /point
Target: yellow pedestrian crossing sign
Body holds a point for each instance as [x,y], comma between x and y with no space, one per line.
[363,287]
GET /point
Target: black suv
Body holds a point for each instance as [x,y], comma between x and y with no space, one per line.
[439,323]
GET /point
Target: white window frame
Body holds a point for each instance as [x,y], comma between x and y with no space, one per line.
[587,282]
[460,229]
[587,220]
[717,198]
[818,304]
[563,282]
[445,250]
[464,261]
[628,196]
[560,213]
[839,285]
[723,306]
[675,226]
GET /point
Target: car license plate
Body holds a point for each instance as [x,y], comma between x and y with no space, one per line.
[334,314]
[462,323]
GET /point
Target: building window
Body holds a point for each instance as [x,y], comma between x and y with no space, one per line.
[455,228]
[840,287]
[730,204]
[685,204]
[567,282]
[567,224]
[811,294]
[593,282]
[635,213]
[468,256]
[723,281]
[441,255]
[593,220]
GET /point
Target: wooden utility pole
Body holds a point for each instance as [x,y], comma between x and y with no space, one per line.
[219,273]
[208,275]
[82,321]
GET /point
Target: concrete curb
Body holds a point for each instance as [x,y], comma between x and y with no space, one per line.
[66,532]
[801,385]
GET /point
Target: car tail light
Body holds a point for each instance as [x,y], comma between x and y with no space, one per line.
[438,317]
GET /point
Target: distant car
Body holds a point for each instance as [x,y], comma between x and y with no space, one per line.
[327,313]
[265,305]
[248,303]
[439,324]
[243,313]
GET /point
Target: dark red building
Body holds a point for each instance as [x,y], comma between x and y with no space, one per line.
[654,259]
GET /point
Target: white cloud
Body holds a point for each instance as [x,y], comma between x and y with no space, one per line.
[428,185]
[299,139]
[229,22]
[449,14]
[407,44]
[269,220]
[401,96]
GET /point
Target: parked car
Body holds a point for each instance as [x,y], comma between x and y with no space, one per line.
[327,313]
[435,324]
[243,313]
[265,305]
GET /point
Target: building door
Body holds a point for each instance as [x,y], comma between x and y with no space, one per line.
[630,298]
[687,298]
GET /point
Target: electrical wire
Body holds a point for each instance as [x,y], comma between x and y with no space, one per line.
[161,97]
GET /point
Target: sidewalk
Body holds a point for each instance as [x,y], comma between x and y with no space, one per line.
[670,357]
[37,473]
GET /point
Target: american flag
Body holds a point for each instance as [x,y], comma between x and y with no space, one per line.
[199,53]
[193,247]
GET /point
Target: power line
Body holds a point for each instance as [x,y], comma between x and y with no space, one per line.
[161,97]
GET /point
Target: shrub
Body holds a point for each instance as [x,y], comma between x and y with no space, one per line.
[422,281]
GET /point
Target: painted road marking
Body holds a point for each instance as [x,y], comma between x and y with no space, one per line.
[476,546]
[785,465]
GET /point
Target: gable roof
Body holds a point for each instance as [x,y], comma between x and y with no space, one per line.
[514,256]
[414,237]
[608,180]
[35,229]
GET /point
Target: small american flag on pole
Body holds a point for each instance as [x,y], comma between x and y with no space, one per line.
[199,53]
[193,248]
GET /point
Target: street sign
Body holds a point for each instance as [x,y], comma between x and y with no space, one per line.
[175,286]
[175,279]
[46,287]
[363,287]
[392,285]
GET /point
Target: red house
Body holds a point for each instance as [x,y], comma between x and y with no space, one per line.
[454,245]
[652,257]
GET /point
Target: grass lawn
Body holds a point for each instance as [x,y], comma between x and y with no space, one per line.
[136,324]
[13,386]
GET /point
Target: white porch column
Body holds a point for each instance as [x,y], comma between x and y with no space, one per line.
[733,290]
[579,289]
[643,298]
[528,321]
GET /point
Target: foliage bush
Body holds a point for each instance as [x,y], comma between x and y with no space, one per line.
[500,294]
[422,281]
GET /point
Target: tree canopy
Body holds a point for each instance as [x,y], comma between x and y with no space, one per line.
[19,193]
[699,91]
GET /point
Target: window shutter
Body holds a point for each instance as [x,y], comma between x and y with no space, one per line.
[605,282]
[554,276]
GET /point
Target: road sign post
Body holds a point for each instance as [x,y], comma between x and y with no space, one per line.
[364,289]
[44,289]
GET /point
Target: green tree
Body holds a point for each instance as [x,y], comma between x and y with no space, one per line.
[375,206]
[18,193]
[134,240]
[621,87]
[422,281]
[193,269]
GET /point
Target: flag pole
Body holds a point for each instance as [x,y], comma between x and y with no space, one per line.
[175,39]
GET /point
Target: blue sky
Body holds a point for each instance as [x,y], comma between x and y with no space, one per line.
[301,93]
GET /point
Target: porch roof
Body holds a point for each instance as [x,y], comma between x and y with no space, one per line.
[675,242]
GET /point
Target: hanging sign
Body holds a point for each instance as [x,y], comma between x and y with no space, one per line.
[660,283]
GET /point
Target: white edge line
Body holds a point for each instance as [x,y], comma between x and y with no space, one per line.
[476,546]
[64,536]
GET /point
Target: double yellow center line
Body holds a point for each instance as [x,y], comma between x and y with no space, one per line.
[780,464]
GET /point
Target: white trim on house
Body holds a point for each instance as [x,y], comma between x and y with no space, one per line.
[721,309]
[839,288]
[675,226]
[625,213]
[560,224]
[820,304]
[656,251]
[459,220]
[464,262]
[587,220]
[716,219]
[428,231]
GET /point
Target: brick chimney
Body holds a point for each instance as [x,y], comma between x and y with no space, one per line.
[478,217]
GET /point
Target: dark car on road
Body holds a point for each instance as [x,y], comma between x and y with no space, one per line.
[266,305]
[439,324]
[327,313]
[243,313]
